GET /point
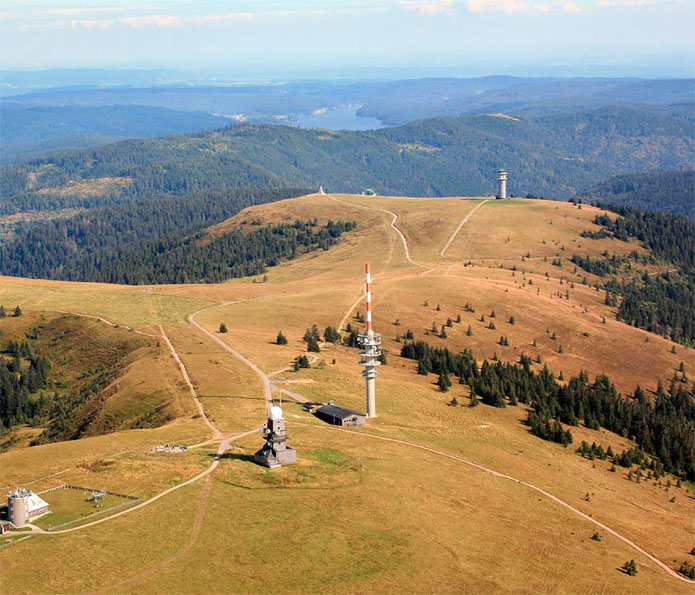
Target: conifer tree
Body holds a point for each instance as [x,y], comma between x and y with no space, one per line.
[444,382]
[630,568]
[2,312]
[223,327]
[469,332]
[281,339]
[458,318]
[18,312]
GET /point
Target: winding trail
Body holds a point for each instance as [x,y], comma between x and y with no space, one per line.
[197,525]
[531,486]
[224,445]
[393,225]
[261,374]
[460,225]
[105,321]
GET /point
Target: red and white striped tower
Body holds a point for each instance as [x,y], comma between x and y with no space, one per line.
[371,342]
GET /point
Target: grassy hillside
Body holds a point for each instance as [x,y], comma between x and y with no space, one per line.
[384,512]
[101,379]
[663,191]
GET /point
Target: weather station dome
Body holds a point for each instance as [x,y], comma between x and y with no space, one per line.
[275,412]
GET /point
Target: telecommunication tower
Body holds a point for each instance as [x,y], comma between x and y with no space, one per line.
[371,343]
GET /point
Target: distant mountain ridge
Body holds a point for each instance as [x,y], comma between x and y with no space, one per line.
[553,156]
[27,130]
[197,106]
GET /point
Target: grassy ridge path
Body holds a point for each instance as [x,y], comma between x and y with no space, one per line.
[393,225]
[191,388]
[456,231]
[224,445]
[540,490]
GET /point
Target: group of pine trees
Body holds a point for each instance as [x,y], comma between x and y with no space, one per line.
[664,426]
[663,303]
[3,313]
[19,382]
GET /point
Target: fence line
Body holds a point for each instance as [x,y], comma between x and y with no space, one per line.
[84,518]
[66,486]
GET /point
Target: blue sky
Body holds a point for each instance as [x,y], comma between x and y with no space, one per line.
[257,35]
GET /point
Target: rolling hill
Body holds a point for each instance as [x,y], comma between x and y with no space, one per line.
[552,155]
[431,468]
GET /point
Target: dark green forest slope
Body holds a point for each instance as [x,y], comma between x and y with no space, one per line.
[28,130]
[665,191]
[553,156]
[162,241]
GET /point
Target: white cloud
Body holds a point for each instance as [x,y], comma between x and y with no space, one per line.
[86,24]
[604,3]
[429,6]
[571,7]
[226,17]
[506,6]
[151,21]
[297,13]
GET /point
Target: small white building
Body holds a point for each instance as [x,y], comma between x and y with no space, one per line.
[24,506]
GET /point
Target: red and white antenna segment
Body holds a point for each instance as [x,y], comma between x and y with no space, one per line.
[368,292]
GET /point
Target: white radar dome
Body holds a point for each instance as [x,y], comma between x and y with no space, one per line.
[275,412]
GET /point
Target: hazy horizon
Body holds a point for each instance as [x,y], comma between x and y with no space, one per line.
[331,38]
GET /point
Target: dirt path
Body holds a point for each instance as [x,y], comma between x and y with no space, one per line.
[463,221]
[191,388]
[393,225]
[531,486]
[224,445]
[261,374]
[105,321]
[197,525]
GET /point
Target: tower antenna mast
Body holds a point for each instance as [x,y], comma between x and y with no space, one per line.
[371,344]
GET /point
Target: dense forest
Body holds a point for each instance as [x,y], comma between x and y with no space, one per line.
[664,191]
[664,427]
[662,303]
[547,155]
[28,130]
[22,374]
[162,241]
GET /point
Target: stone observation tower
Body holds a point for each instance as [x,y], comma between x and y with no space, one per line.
[502,181]
[275,452]
[371,343]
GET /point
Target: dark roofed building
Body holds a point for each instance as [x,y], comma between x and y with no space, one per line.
[340,416]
